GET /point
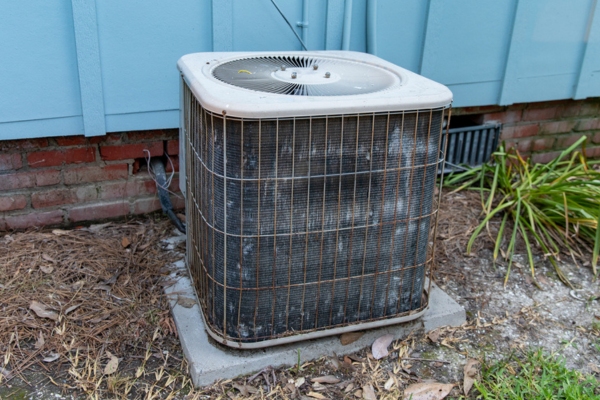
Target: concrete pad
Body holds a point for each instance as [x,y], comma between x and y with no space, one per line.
[210,361]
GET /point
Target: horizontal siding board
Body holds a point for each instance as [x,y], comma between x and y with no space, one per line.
[545,51]
[258,26]
[487,52]
[400,31]
[588,84]
[140,43]
[142,121]
[47,127]
[38,67]
[469,46]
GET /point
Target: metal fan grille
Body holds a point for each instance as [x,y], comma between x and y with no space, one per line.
[311,223]
[315,76]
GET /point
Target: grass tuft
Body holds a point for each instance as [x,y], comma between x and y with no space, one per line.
[534,376]
[554,205]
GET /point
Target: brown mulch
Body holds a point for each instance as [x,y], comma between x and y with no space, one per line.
[73,301]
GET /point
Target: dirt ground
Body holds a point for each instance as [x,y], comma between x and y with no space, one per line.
[101,307]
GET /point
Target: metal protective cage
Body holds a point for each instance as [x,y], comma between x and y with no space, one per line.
[309,226]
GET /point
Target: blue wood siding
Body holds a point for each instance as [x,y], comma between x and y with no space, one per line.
[88,66]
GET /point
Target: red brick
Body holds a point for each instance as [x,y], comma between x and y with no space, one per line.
[129,151]
[572,109]
[557,127]
[96,174]
[70,140]
[10,161]
[524,146]
[543,144]
[174,186]
[596,137]
[18,145]
[540,114]
[61,196]
[24,221]
[53,158]
[477,110]
[562,142]
[98,211]
[29,179]
[178,202]
[13,202]
[137,186]
[146,205]
[151,135]
[544,158]
[588,108]
[549,104]
[588,124]
[172,147]
[519,131]
[505,117]
[592,152]
[175,162]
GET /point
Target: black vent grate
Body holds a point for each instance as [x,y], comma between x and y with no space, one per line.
[471,146]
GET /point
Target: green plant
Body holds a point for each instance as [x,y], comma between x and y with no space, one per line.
[534,375]
[556,205]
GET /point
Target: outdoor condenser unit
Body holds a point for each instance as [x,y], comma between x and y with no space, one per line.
[309,181]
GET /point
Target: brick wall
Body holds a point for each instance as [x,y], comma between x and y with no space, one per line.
[542,130]
[68,180]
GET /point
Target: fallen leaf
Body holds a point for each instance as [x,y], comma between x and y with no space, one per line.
[349,388]
[125,242]
[470,371]
[358,393]
[434,335]
[39,343]
[72,308]
[242,389]
[325,379]
[388,384]
[316,395]
[299,382]
[335,363]
[380,346]
[77,285]
[347,360]
[59,232]
[47,257]
[368,393]
[42,312]
[427,391]
[350,337]
[100,318]
[111,365]
[46,269]
[181,217]
[51,357]
[186,302]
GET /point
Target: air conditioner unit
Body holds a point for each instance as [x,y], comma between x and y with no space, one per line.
[309,181]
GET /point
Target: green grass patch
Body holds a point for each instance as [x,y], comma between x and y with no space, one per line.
[554,205]
[534,375]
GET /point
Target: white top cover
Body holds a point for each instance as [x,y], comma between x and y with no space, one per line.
[403,90]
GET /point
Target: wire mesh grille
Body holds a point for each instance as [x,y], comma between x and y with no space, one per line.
[305,224]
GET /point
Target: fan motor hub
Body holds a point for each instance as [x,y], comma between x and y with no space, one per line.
[305,76]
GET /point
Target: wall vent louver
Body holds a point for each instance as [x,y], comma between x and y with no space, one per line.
[310,198]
